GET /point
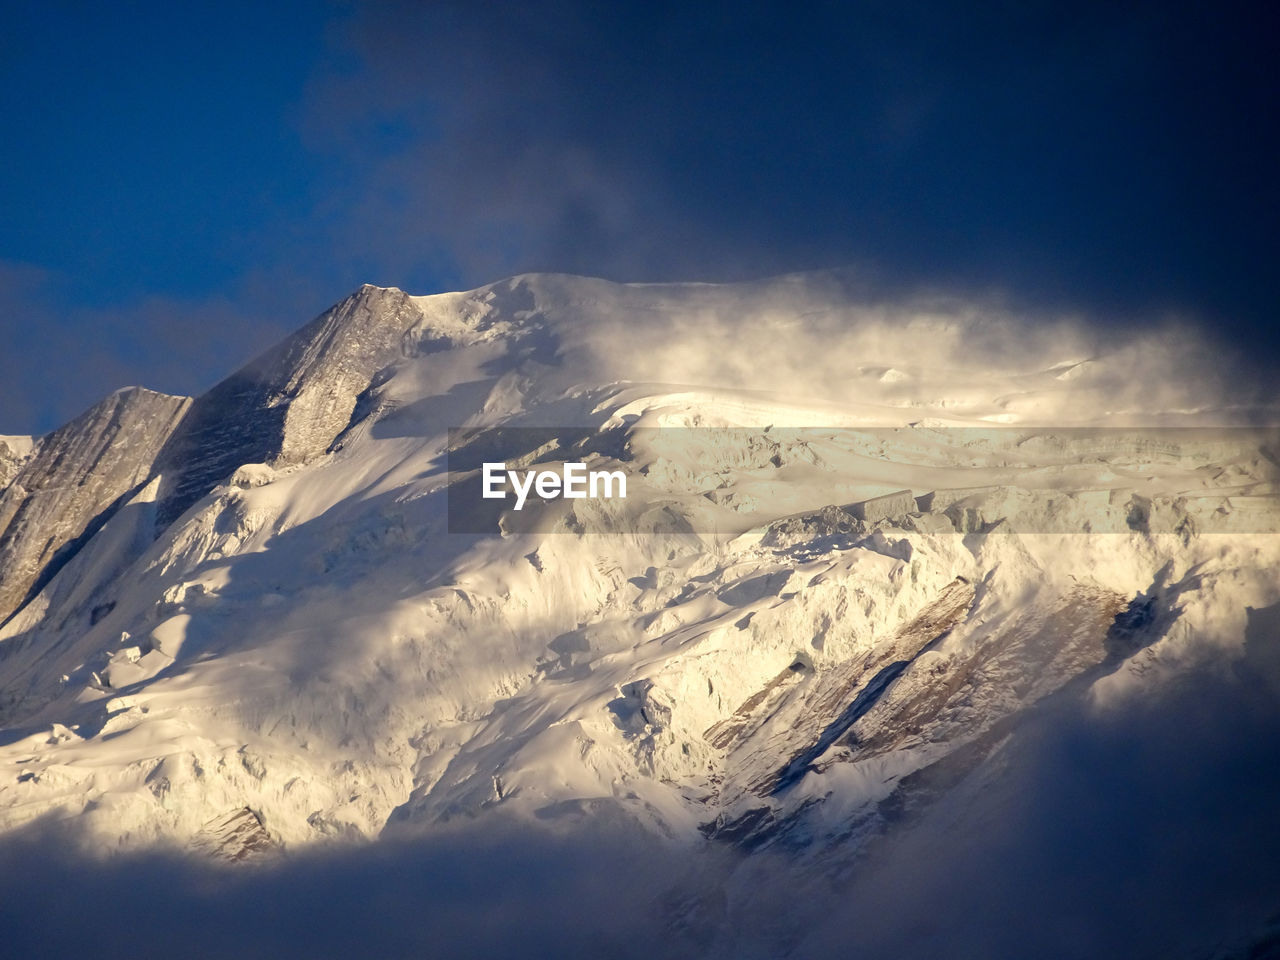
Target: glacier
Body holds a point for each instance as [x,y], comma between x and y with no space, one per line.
[884,547]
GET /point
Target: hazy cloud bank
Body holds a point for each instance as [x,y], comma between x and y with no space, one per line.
[1147,830]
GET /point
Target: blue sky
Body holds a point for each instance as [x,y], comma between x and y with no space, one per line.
[185,183]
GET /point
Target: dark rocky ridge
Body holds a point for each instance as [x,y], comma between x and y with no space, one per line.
[66,491]
[290,403]
[284,407]
[11,462]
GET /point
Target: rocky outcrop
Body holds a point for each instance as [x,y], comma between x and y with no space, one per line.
[286,406]
[64,493]
[235,836]
[289,404]
[14,452]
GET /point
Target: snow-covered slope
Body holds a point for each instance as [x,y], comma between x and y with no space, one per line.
[244,616]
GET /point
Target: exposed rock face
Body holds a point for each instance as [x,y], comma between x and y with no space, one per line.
[67,490]
[14,452]
[284,407]
[243,659]
[780,747]
[236,836]
[289,404]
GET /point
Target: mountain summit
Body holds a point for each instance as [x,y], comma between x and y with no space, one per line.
[870,543]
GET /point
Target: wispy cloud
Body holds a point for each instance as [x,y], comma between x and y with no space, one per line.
[1107,161]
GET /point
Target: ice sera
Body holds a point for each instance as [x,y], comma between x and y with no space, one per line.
[573,481]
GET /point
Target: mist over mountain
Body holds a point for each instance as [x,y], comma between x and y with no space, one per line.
[923,628]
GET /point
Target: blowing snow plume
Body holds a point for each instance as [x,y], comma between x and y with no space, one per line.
[903,564]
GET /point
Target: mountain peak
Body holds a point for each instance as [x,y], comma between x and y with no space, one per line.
[265,580]
[73,480]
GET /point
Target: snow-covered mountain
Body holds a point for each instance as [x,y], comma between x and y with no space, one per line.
[867,544]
